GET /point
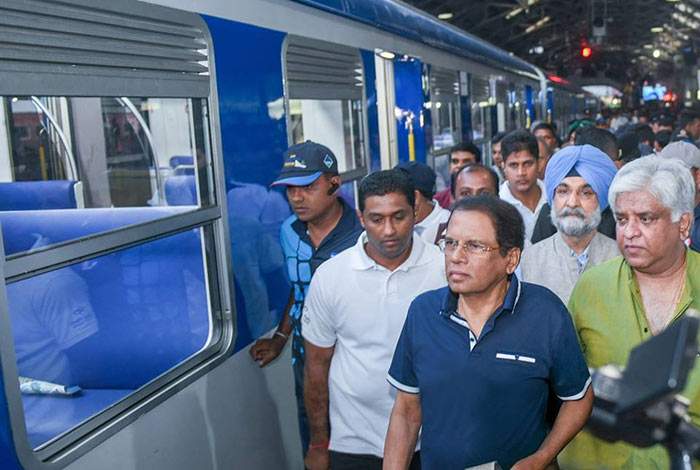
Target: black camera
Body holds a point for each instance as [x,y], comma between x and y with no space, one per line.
[639,404]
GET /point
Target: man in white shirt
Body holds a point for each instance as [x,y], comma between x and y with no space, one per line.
[522,188]
[351,321]
[429,214]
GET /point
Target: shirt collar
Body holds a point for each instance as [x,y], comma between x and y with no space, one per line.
[348,220]
[434,217]
[505,194]
[361,260]
[510,302]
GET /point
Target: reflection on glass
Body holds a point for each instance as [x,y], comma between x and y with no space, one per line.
[86,153]
[446,126]
[337,124]
[109,326]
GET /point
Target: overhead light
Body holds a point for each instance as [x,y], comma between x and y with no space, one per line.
[656,53]
[446,16]
[387,55]
[657,29]
[538,25]
[514,12]
[648,46]
[673,1]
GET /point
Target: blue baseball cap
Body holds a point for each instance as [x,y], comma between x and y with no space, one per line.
[304,163]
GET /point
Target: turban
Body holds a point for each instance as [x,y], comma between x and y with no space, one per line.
[589,163]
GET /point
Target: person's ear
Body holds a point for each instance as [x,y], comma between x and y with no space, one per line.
[362,219]
[512,260]
[684,225]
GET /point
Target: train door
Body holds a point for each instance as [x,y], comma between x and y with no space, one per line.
[482,102]
[531,106]
[446,106]
[409,109]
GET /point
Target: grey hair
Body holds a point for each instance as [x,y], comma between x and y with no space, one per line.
[668,180]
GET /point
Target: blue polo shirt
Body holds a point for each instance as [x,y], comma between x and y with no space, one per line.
[484,399]
[302,260]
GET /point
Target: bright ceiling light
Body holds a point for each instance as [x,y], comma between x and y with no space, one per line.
[648,46]
[656,53]
[446,16]
[514,12]
[387,55]
[657,29]
[538,25]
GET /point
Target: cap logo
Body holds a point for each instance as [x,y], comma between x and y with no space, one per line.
[294,161]
[328,161]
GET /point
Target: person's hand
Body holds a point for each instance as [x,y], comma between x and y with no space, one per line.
[317,459]
[534,462]
[267,349]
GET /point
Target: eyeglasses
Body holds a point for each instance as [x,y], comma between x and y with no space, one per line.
[472,247]
[564,192]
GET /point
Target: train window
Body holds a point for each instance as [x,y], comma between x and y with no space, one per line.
[116,152]
[480,101]
[89,334]
[445,112]
[324,84]
[115,265]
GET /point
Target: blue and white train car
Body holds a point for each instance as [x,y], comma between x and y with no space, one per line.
[140,238]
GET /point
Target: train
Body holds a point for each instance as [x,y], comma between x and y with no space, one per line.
[140,236]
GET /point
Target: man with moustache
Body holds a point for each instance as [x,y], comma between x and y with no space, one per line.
[476,359]
[577,182]
[628,300]
[352,318]
[322,226]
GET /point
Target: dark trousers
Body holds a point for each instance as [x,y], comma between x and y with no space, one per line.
[298,366]
[343,461]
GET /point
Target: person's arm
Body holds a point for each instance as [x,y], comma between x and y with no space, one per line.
[318,361]
[404,425]
[570,420]
[265,350]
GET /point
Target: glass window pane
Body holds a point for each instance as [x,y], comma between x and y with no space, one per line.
[337,124]
[110,152]
[446,126]
[108,326]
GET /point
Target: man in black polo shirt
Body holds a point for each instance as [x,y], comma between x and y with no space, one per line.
[322,226]
[476,360]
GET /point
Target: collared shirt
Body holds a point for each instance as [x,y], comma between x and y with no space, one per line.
[444,197]
[359,307]
[303,260]
[428,227]
[529,217]
[486,401]
[552,264]
[607,309]
[695,234]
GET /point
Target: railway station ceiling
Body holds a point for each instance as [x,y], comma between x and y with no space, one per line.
[626,39]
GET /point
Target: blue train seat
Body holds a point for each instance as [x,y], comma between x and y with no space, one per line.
[149,303]
[181,190]
[35,195]
[182,164]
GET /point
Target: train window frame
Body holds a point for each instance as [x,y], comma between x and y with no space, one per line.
[211,220]
[329,91]
[457,104]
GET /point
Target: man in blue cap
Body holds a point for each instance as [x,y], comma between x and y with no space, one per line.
[322,226]
[577,181]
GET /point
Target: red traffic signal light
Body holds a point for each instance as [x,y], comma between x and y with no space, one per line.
[586,52]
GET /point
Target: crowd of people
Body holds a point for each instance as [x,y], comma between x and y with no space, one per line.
[448,330]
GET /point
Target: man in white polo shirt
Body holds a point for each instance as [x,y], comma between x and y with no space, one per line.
[351,321]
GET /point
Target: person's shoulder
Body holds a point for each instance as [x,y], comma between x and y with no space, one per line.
[337,263]
[429,301]
[601,274]
[287,224]
[542,302]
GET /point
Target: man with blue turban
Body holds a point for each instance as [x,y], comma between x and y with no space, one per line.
[577,181]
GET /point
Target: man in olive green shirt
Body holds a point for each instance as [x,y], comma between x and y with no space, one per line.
[625,301]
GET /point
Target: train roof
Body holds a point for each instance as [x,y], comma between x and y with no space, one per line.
[408,22]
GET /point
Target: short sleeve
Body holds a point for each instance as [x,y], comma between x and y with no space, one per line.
[317,325]
[569,373]
[402,372]
[65,309]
